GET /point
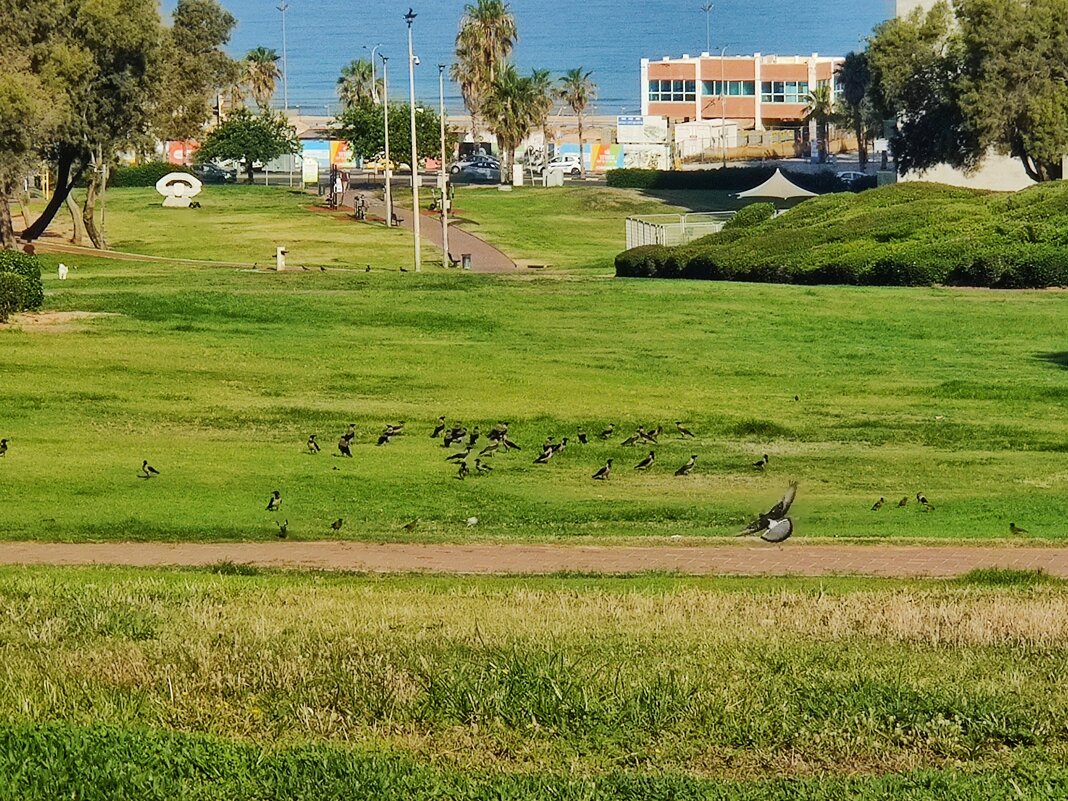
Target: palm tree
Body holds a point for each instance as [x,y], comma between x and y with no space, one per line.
[545,96]
[578,91]
[486,38]
[510,108]
[262,74]
[357,83]
[819,106]
[855,75]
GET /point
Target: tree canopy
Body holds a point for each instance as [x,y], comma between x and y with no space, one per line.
[991,76]
[249,138]
[363,127]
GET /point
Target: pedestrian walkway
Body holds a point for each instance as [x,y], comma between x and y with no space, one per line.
[735,559]
[485,258]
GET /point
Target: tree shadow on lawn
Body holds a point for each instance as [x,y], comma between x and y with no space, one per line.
[1058,359]
[697,200]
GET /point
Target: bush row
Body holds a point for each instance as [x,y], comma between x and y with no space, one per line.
[146,174]
[728,179]
[21,288]
[904,235]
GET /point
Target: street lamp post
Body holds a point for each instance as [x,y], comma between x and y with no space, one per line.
[723,103]
[374,79]
[385,117]
[707,8]
[444,180]
[283,7]
[410,18]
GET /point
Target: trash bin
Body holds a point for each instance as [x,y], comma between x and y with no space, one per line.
[465,260]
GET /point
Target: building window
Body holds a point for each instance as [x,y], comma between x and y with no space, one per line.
[672,91]
[783,91]
[734,88]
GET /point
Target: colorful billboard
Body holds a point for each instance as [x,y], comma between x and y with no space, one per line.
[601,158]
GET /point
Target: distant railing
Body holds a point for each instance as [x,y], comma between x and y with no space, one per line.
[674,229]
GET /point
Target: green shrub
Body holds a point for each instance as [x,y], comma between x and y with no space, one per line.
[13,292]
[750,216]
[146,174]
[29,268]
[911,234]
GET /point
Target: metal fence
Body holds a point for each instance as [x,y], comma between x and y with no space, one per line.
[674,229]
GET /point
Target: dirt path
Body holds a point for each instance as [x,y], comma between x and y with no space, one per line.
[742,559]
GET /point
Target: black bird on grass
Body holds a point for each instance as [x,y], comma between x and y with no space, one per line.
[147,470]
[395,430]
[635,438]
[875,507]
[313,445]
[322,269]
[459,456]
[608,431]
[490,449]
[760,464]
[3,447]
[647,462]
[455,434]
[604,472]
[774,525]
[922,500]
[682,429]
[652,436]
[546,455]
[385,436]
[412,526]
[275,501]
[439,428]
[473,437]
[560,445]
[367,269]
[499,431]
[337,524]
[582,438]
[283,529]
[1015,529]
[687,468]
[345,444]
[903,502]
[463,471]
[482,468]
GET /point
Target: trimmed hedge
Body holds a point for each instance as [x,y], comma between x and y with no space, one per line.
[29,269]
[729,179]
[909,234]
[146,174]
[748,216]
[13,292]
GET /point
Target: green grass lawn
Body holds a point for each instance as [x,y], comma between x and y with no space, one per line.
[233,684]
[573,228]
[217,376]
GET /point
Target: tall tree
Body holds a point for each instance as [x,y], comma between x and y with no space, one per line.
[855,104]
[104,56]
[819,107]
[510,107]
[194,68]
[248,139]
[487,36]
[357,83]
[362,126]
[262,74]
[578,91]
[544,96]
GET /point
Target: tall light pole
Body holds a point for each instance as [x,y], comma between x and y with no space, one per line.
[410,18]
[707,8]
[444,180]
[283,7]
[385,118]
[374,79]
[723,102]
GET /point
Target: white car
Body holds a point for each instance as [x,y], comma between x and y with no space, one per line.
[568,165]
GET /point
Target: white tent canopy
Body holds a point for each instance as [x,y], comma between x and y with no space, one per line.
[777,186]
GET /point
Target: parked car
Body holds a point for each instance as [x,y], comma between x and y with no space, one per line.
[456,168]
[480,171]
[568,165]
[214,174]
[849,177]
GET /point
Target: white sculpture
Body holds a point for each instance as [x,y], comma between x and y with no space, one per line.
[178,189]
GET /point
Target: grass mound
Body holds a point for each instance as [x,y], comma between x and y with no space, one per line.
[910,234]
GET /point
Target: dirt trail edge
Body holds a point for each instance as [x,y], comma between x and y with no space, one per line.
[750,559]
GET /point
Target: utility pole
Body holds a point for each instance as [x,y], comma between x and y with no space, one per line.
[723,103]
[385,116]
[444,180]
[283,7]
[707,8]
[410,18]
[374,79]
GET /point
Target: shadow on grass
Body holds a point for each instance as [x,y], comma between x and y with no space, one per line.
[1058,359]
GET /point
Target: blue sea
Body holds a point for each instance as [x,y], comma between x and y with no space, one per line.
[607,37]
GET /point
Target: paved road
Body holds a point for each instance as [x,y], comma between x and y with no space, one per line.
[740,559]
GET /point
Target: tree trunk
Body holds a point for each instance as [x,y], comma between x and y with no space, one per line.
[582,159]
[24,205]
[7,227]
[862,140]
[250,172]
[89,208]
[65,181]
[78,235]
